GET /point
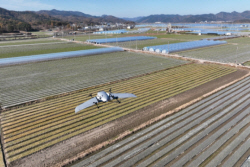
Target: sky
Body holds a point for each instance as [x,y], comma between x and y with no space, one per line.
[130,8]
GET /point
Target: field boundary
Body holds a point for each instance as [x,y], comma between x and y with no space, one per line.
[81,90]
[176,56]
[145,124]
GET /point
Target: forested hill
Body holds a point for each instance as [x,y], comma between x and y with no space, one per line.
[222,16]
[15,20]
[27,20]
[74,16]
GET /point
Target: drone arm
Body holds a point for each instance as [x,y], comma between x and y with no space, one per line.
[87,104]
[122,95]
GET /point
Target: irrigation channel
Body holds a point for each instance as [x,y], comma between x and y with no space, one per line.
[212,132]
[32,128]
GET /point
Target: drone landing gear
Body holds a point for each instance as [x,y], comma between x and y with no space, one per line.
[90,95]
[118,100]
[110,94]
[96,104]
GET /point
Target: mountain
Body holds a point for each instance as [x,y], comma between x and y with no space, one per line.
[28,20]
[55,12]
[27,16]
[77,17]
[133,19]
[13,20]
[222,16]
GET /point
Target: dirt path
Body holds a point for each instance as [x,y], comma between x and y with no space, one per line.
[72,149]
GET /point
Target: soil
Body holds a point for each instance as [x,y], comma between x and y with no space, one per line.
[79,146]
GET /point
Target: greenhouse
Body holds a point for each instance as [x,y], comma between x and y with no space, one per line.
[122,39]
[112,32]
[176,47]
[213,32]
[60,55]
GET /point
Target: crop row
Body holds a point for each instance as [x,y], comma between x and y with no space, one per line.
[187,37]
[27,50]
[32,128]
[214,131]
[24,122]
[242,40]
[1,158]
[230,53]
[29,82]
[86,37]
[143,43]
[247,63]
[33,41]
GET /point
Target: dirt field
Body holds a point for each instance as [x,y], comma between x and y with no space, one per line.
[69,149]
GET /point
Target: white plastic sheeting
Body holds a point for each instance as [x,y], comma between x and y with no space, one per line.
[112,32]
[176,47]
[60,55]
[213,32]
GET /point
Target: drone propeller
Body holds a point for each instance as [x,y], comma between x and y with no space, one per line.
[110,95]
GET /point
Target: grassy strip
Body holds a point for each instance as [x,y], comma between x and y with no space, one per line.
[44,49]
[34,41]
[247,63]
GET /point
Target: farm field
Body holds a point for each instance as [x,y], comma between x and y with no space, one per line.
[85,37]
[30,41]
[242,40]
[230,53]
[247,63]
[12,38]
[32,128]
[181,37]
[143,43]
[212,132]
[42,48]
[187,37]
[23,83]
[47,33]
[1,158]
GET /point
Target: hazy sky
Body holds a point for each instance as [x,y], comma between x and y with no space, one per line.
[130,8]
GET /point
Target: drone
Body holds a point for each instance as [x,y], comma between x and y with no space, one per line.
[103,96]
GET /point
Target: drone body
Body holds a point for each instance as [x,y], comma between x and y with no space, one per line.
[103,96]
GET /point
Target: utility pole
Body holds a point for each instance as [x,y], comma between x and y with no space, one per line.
[62,32]
[168,47]
[136,43]
[236,55]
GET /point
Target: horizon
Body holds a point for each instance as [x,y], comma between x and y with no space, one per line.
[99,8]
